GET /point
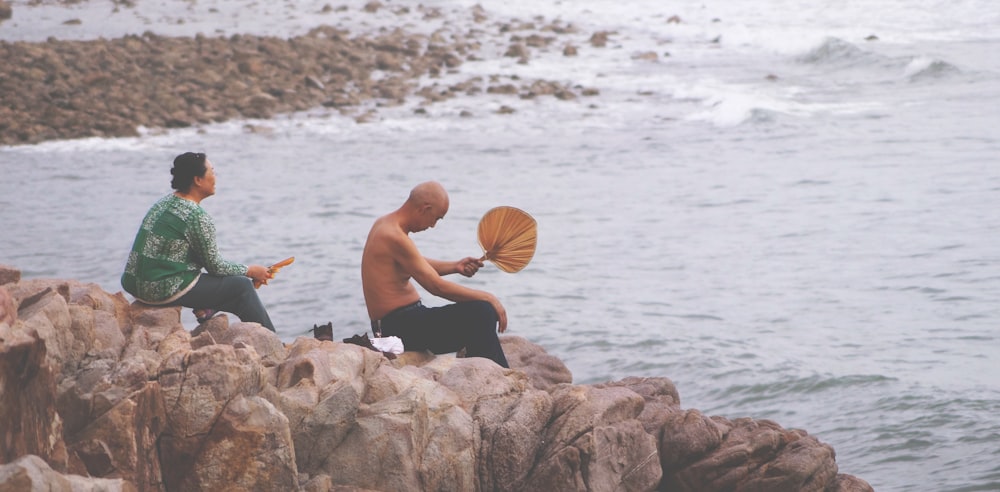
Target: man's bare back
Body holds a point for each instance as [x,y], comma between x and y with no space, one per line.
[386,283]
[391,259]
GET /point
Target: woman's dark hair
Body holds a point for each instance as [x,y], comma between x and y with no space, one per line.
[186,167]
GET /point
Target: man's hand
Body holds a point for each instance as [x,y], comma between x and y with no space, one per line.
[468,266]
[501,313]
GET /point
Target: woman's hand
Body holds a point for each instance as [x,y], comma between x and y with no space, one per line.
[259,274]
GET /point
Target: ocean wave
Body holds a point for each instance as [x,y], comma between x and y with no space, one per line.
[924,68]
[804,386]
[734,108]
[837,52]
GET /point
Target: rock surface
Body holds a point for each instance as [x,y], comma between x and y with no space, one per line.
[101,394]
[59,89]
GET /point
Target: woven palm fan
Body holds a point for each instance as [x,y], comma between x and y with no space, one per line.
[271,270]
[508,237]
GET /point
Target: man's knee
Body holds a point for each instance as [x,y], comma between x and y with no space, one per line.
[483,310]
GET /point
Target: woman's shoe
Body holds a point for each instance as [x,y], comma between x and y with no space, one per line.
[204,315]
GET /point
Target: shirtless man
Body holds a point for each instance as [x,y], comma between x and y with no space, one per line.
[391,259]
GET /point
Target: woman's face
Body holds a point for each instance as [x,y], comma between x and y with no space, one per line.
[206,183]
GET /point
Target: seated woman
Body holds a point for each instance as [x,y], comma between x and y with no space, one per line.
[177,239]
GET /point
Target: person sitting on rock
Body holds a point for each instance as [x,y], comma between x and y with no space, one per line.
[390,259]
[177,240]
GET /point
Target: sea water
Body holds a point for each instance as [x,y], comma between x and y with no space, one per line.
[791,211]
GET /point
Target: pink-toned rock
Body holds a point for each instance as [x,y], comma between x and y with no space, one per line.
[595,442]
[197,385]
[688,436]
[154,407]
[249,448]
[321,402]
[8,309]
[31,472]
[265,342]
[416,434]
[661,400]
[849,483]
[30,424]
[757,455]
[9,275]
[218,431]
[122,440]
[46,313]
[511,431]
[543,370]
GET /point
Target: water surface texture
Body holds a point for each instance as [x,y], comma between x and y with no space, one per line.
[792,212]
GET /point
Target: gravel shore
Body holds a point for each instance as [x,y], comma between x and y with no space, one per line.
[63,89]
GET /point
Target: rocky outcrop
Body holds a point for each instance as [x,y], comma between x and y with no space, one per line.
[100,394]
[61,89]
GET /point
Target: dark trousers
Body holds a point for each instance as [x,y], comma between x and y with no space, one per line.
[232,294]
[445,329]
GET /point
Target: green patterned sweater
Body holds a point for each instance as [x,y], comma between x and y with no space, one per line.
[176,240]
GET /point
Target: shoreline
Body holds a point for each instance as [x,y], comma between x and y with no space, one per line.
[67,89]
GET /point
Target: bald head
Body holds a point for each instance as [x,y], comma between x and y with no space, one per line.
[428,193]
[427,204]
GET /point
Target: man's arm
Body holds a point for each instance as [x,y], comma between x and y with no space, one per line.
[466,266]
[425,273]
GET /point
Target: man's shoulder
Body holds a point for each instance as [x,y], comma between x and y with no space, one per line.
[386,228]
[383,236]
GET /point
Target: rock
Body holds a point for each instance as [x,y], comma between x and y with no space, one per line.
[850,483]
[122,441]
[8,310]
[33,473]
[5,10]
[661,400]
[649,56]
[502,89]
[9,275]
[599,39]
[142,404]
[260,105]
[46,313]
[516,50]
[31,425]
[249,448]
[544,371]
[755,455]
[537,41]
[158,82]
[314,83]
[264,342]
[595,442]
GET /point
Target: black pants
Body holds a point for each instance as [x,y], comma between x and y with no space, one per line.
[445,329]
[232,294]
